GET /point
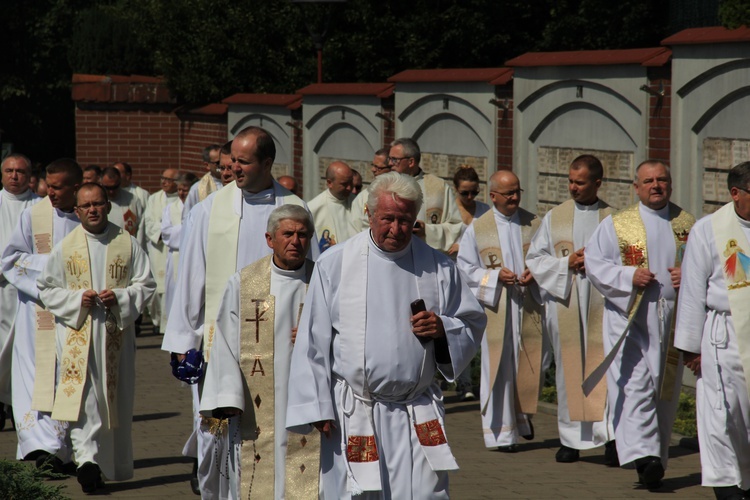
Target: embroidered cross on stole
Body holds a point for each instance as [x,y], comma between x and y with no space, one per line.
[529,357]
[257,344]
[734,249]
[77,343]
[43,397]
[632,240]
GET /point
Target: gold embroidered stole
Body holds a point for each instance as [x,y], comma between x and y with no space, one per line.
[77,343]
[578,359]
[434,194]
[221,253]
[529,360]
[632,240]
[206,186]
[175,216]
[43,398]
[734,253]
[257,344]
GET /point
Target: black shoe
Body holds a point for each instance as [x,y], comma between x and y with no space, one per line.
[511,448]
[650,472]
[49,464]
[3,416]
[195,485]
[530,435]
[610,454]
[729,493]
[90,477]
[566,455]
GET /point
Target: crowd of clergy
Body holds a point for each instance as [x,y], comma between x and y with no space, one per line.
[314,335]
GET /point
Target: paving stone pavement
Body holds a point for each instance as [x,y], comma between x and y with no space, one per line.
[162,423]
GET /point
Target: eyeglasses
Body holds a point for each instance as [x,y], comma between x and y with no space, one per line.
[223,168]
[467,193]
[379,169]
[509,194]
[392,160]
[216,163]
[168,179]
[88,206]
[744,189]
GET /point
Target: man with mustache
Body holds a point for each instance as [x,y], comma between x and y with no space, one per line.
[633,259]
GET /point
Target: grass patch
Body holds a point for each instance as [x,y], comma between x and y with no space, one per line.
[22,481]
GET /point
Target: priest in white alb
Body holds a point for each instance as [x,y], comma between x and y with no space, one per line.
[491,258]
[157,250]
[358,214]
[251,358]
[713,332]
[14,198]
[96,282]
[573,312]
[331,209]
[633,259]
[210,182]
[438,221]
[368,349]
[128,210]
[222,234]
[41,227]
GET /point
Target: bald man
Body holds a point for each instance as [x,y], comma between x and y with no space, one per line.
[157,251]
[288,182]
[331,209]
[491,257]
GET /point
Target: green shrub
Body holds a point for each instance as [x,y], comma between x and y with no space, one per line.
[685,423]
[21,481]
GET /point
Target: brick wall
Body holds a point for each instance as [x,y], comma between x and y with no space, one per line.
[504,128]
[195,133]
[659,114]
[297,167]
[389,126]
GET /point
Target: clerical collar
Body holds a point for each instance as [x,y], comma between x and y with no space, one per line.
[17,197]
[262,197]
[501,216]
[744,223]
[662,212]
[334,199]
[97,236]
[387,255]
[288,273]
[67,215]
[583,208]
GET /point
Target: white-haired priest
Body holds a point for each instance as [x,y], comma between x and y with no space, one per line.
[383,314]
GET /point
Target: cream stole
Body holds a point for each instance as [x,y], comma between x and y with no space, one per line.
[528,375]
[362,455]
[632,240]
[221,252]
[580,407]
[257,461]
[43,398]
[206,186]
[734,253]
[175,217]
[77,343]
[434,198]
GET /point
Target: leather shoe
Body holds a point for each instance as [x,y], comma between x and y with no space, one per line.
[195,484]
[729,493]
[511,448]
[650,472]
[610,454]
[566,455]
[90,477]
[530,435]
[49,464]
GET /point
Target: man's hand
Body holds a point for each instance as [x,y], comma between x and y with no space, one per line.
[526,278]
[643,277]
[692,361]
[89,298]
[507,277]
[575,261]
[108,298]
[676,274]
[325,426]
[180,357]
[427,324]
[418,229]
[453,250]
[294,335]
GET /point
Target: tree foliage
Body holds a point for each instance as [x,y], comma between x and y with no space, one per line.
[734,13]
